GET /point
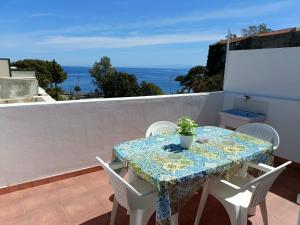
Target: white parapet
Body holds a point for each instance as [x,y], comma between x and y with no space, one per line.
[13,88]
[43,139]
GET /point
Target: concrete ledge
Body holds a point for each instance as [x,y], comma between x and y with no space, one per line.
[12,88]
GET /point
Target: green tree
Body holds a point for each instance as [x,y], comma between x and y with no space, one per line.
[47,74]
[197,80]
[148,88]
[100,71]
[41,68]
[187,81]
[77,88]
[57,76]
[209,83]
[112,83]
[255,29]
[119,84]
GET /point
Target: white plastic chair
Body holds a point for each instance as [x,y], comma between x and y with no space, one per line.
[138,196]
[238,197]
[161,127]
[261,131]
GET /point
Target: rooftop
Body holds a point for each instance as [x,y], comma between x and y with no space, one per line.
[50,140]
[87,200]
[271,33]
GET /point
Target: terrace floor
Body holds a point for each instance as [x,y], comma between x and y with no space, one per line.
[87,200]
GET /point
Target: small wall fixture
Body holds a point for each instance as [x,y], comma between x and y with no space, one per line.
[247,97]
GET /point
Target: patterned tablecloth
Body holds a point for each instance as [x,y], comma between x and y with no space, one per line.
[178,173]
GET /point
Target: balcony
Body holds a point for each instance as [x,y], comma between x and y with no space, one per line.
[43,143]
[46,142]
[87,200]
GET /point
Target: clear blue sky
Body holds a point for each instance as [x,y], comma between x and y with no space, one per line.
[132,32]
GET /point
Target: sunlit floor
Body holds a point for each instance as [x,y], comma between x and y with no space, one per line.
[87,200]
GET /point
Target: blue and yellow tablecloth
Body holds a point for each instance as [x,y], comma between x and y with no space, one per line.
[178,173]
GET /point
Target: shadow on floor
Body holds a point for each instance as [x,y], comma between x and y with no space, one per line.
[288,179]
[214,214]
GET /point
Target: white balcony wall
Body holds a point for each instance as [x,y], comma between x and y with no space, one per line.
[45,139]
[271,77]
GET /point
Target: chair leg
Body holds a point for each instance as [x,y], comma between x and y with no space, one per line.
[174,219]
[242,216]
[147,215]
[233,212]
[114,212]
[264,213]
[136,217]
[202,203]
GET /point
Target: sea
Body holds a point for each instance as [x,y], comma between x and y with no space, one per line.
[163,77]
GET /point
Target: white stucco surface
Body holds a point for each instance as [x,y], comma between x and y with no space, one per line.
[43,139]
[271,72]
[271,77]
[4,68]
[22,74]
[13,88]
[281,114]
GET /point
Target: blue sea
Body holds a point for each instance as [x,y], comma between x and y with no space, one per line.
[163,77]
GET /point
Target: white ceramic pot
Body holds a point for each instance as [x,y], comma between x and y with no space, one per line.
[186,141]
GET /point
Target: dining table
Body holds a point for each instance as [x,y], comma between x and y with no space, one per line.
[178,173]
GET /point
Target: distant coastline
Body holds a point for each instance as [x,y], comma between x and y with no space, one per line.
[163,77]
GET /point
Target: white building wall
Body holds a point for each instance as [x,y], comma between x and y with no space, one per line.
[4,68]
[273,72]
[43,139]
[282,114]
[271,77]
[23,74]
[13,88]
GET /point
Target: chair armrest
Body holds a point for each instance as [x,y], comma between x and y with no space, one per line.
[141,188]
[262,167]
[225,182]
[147,193]
[230,184]
[140,194]
[117,165]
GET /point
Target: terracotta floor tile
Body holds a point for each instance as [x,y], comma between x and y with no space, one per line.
[50,215]
[32,202]
[79,180]
[98,184]
[11,210]
[15,221]
[72,192]
[103,219]
[41,189]
[104,200]
[10,198]
[82,207]
[87,200]
[97,176]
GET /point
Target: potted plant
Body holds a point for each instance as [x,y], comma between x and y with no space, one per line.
[186,129]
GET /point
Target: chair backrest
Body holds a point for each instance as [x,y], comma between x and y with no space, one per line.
[263,184]
[161,127]
[123,191]
[261,131]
